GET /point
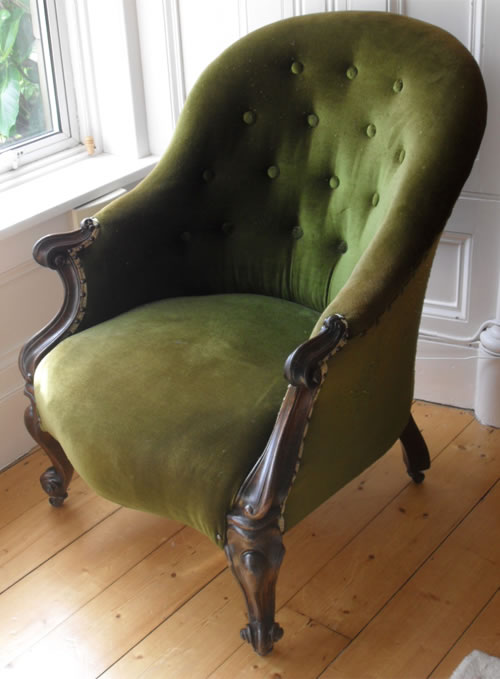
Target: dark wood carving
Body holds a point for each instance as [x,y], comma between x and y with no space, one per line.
[55,480]
[255,551]
[304,366]
[254,545]
[59,252]
[415,451]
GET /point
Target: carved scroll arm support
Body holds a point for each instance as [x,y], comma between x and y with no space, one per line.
[60,252]
[254,545]
[269,482]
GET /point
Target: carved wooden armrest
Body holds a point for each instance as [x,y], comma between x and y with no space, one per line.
[304,366]
[60,252]
[269,481]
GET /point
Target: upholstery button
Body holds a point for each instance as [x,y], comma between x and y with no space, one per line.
[401,156]
[333,182]
[351,72]
[208,175]
[249,117]
[375,199]
[312,120]
[186,236]
[297,232]
[371,130]
[273,172]
[342,247]
[227,228]
[398,86]
[297,67]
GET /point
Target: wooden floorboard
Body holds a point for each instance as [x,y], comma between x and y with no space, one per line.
[350,590]
[20,488]
[407,637]
[483,634]
[40,532]
[385,580]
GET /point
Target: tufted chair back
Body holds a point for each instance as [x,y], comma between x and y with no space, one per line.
[304,147]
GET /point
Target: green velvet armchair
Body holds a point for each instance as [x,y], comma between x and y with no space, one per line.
[290,227]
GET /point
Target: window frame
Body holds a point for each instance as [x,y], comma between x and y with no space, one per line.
[55,36]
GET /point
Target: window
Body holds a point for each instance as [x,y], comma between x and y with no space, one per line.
[37,112]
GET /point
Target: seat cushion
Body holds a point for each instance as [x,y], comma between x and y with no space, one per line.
[167,407]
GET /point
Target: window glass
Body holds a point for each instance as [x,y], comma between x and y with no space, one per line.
[28,106]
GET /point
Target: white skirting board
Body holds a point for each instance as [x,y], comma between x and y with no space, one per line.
[446,373]
[15,440]
[461,376]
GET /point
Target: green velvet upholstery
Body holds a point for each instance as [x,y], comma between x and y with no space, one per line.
[367,394]
[312,170]
[167,407]
[210,219]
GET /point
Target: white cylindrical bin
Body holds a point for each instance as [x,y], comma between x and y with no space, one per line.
[487,397]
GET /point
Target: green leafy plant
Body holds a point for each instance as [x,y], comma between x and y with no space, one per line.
[21,109]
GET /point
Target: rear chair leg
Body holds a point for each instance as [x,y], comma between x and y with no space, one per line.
[415,451]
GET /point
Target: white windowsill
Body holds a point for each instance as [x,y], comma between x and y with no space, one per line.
[60,190]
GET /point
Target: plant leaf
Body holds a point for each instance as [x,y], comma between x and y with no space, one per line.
[11,30]
[9,101]
[24,42]
[4,26]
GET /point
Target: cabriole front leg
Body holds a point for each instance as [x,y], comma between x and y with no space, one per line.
[55,480]
[255,551]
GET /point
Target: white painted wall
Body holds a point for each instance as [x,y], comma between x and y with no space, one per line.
[167,45]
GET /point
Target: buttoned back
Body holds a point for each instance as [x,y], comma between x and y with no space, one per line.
[301,143]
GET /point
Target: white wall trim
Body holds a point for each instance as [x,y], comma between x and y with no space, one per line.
[78,27]
[446,373]
[10,275]
[8,359]
[173,33]
[476,30]
[11,393]
[286,9]
[243,17]
[395,6]
[456,307]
